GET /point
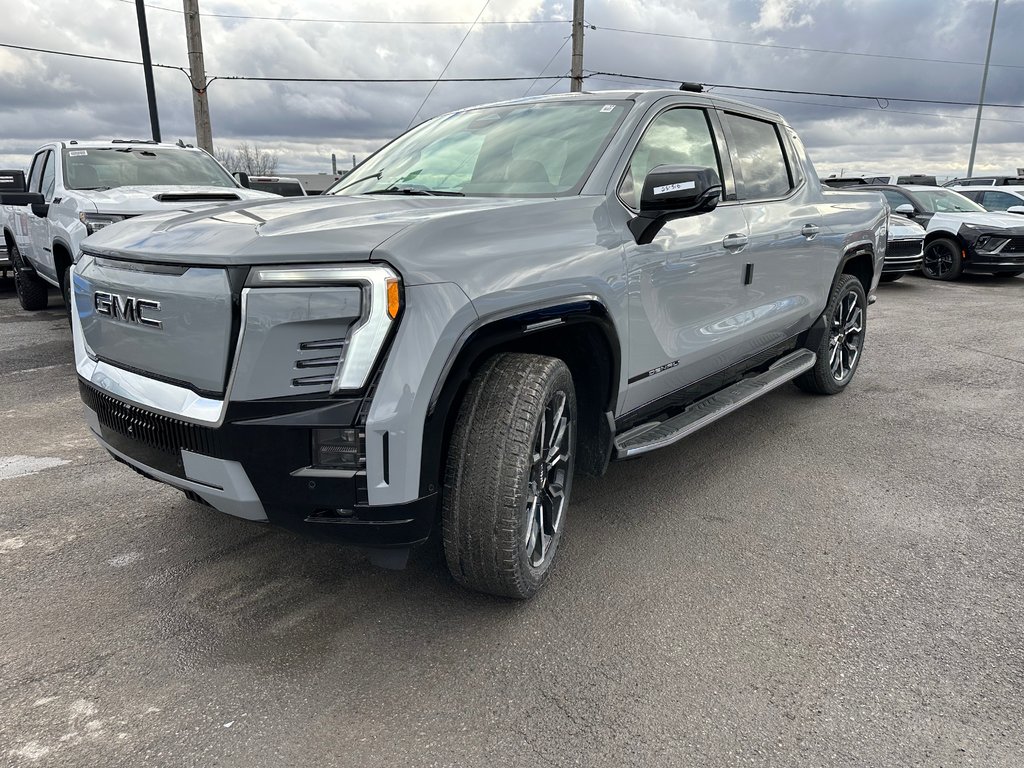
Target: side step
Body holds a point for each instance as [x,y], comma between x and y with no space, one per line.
[654,435]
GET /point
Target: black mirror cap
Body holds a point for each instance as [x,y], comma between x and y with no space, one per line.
[21,198]
[12,181]
[243,178]
[40,208]
[680,188]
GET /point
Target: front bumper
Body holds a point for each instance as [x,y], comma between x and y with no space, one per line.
[257,465]
[903,256]
[993,262]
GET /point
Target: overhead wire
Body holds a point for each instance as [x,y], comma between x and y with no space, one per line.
[801,49]
[424,22]
[455,53]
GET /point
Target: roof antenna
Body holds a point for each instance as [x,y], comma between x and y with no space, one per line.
[692,87]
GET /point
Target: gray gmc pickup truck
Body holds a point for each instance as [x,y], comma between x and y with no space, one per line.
[498,299]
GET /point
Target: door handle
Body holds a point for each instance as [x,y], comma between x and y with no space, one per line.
[734,242]
[809,230]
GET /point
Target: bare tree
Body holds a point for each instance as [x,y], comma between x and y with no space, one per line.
[248,159]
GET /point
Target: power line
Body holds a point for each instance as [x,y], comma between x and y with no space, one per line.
[455,53]
[84,56]
[878,99]
[550,61]
[258,78]
[354,21]
[796,48]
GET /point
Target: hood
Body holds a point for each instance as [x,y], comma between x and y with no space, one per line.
[150,199]
[983,220]
[283,230]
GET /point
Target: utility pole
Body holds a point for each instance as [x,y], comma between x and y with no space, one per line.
[200,105]
[147,66]
[576,71]
[981,99]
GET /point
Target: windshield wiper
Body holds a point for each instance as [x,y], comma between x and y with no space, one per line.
[414,191]
[376,175]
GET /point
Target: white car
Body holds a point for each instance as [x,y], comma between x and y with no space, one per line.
[961,235]
[76,188]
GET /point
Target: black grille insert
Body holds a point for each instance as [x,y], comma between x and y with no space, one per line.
[154,430]
[903,248]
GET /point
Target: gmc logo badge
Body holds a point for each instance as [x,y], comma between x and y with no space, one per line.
[126,308]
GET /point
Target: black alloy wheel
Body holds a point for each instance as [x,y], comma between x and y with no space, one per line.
[943,259]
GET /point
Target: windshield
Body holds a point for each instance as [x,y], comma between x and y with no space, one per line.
[941,200]
[109,167]
[518,150]
[283,188]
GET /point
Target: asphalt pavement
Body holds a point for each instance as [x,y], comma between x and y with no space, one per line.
[808,582]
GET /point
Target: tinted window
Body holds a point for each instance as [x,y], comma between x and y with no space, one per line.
[49,179]
[971,194]
[941,200]
[676,137]
[283,188]
[37,172]
[998,201]
[896,199]
[759,158]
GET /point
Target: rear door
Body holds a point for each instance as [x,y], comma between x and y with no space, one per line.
[40,226]
[685,287]
[789,246]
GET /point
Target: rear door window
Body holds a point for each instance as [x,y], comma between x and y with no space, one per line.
[998,201]
[758,156]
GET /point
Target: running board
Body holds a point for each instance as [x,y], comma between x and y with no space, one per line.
[654,435]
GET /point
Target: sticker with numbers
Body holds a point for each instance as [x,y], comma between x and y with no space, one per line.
[77,153]
[674,187]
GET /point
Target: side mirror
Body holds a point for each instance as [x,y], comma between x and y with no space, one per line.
[40,208]
[673,192]
[905,210]
[243,178]
[1015,209]
[21,198]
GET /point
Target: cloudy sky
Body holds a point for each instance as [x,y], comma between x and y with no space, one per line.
[905,49]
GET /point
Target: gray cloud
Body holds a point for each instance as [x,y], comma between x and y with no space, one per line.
[48,97]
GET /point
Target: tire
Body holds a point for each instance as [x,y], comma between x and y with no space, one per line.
[1008,274]
[942,259]
[890,278]
[33,292]
[65,292]
[504,501]
[846,314]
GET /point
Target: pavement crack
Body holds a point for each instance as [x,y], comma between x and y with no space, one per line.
[991,354]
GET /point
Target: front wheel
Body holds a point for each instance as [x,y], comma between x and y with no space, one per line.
[508,475]
[33,292]
[943,259]
[841,345]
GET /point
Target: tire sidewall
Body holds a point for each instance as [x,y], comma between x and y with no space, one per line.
[954,249]
[533,577]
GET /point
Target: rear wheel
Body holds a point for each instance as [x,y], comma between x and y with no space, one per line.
[509,474]
[942,259]
[842,343]
[33,292]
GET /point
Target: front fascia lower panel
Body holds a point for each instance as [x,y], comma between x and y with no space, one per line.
[433,318]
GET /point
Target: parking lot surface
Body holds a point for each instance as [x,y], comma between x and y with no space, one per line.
[808,582]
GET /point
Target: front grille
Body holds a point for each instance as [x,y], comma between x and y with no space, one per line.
[1016,245]
[899,248]
[154,430]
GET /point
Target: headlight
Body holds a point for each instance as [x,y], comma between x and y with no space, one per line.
[991,243]
[382,301]
[94,222]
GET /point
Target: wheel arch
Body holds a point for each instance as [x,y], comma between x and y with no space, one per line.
[858,261]
[579,331]
[62,258]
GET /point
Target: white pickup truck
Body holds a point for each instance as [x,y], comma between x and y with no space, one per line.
[76,188]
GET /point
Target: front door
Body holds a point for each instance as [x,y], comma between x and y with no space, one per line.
[686,286]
